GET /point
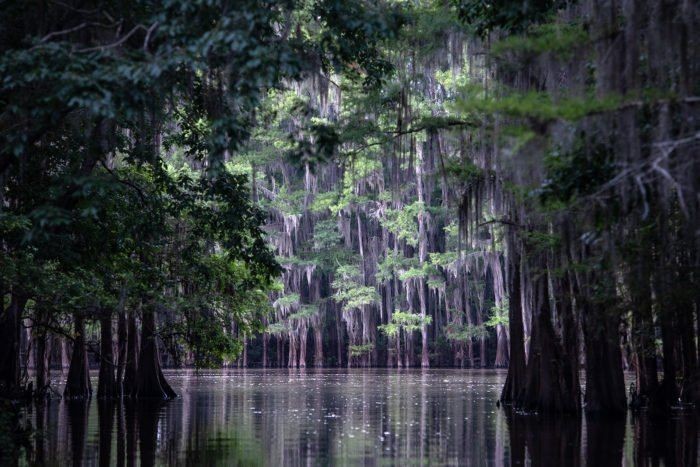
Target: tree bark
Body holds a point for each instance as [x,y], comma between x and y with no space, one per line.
[43,361]
[516,368]
[318,346]
[265,344]
[643,335]
[303,339]
[545,384]
[122,338]
[132,357]
[106,384]
[605,384]
[78,385]
[501,347]
[150,382]
[10,329]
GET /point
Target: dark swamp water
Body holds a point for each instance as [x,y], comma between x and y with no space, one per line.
[343,417]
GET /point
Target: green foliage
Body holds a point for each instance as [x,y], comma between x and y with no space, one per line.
[499,315]
[305,312]
[541,106]
[349,289]
[512,16]
[390,265]
[360,350]
[277,329]
[286,302]
[326,235]
[445,259]
[575,173]
[465,332]
[404,321]
[323,202]
[404,222]
[420,271]
[559,39]
[289,203]
[465,171]
[208,340]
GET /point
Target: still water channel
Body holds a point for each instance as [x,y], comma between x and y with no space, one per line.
[344,417]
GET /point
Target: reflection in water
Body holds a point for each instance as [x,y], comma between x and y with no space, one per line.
[105,416]
[256,417]
[78,423]
[671,441]
[605,440]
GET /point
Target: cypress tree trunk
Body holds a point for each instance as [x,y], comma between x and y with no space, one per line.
[303,338]
[605,385]
[570,340]
[516,368]
[318,346]
[10,329]
[265,343]
[150,382]
[339,342]
[643,336]
[122,338]
[545,387]
[422,256]
[501,347]
[690,386]
[65,359]
[278,348]
[292,357]
[132,357]
[43,361]
[106,384]
[245,352]
[78,384]
[42,344]
[669,390]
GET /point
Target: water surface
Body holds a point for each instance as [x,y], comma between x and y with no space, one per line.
[344,417]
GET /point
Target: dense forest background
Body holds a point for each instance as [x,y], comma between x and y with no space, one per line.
[328,183]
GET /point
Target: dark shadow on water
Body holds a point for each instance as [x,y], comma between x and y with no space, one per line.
[544,440]
[78,424]
[105,416]
[605,439]
[148,414]
[666,441]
